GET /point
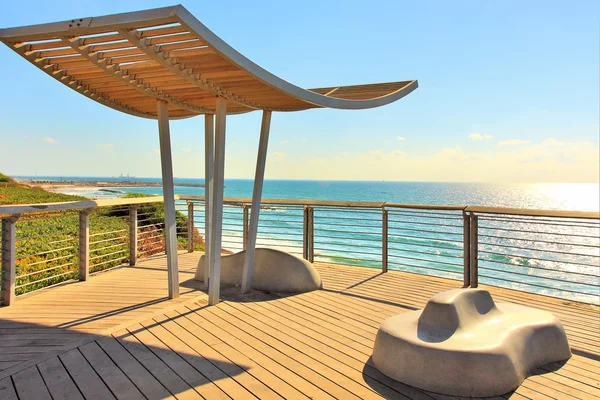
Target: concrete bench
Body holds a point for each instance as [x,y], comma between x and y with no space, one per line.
[463,344]
[274,271]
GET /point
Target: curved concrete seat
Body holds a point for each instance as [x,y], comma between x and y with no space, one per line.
[274,271]
[463,344]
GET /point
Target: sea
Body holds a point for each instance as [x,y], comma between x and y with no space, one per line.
[560,259]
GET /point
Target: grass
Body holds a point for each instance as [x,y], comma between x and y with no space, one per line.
[48,242]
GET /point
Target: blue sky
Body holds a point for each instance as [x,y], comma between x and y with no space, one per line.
[509,91]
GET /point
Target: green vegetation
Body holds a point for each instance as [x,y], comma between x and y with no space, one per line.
[5,179]
[48,242]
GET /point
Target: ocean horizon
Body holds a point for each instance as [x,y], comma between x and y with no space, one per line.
[551,196]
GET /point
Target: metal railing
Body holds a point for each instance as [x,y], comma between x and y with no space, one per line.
[554,253]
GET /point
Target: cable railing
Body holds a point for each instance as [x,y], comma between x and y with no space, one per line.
[553,253]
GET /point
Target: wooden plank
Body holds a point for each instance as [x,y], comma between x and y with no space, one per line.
[29,385]
[58,381]
[165,375]
[144,381]
[197,376]
[7,390]
[225,371]
[86,379]
[110,374]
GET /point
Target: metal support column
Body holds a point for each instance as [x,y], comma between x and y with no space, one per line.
[133,235]
[466,250]
[190,226]
[474,234]
[84,245]
[216,206]
[259,177]
[384,241]
[169,198]
[209,153]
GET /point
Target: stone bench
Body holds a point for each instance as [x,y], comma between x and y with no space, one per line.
[463,344]
[274,271]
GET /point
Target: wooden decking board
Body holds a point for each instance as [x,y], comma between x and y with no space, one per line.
[141,378]
[7,390]
[198,376]
[259,353]
[322,365]
[135,344]
[219,374]
[283,331]
[57,380]
[110,374]
[159,370]
[30,385]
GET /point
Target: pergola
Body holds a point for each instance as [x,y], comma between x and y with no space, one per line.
[165,64]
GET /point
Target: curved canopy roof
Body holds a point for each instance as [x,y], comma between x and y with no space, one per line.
[128,61]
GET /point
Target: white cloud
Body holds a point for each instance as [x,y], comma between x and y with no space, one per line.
[513,142]
[284,142]
[550,160]
[156,151]
[479,136]
[49,140]
[402,139]
[279,154]
[186,149]
[106,146]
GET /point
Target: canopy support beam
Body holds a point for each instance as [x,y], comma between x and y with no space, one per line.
[166,162]
[209,138]
[256,198]
[216,206]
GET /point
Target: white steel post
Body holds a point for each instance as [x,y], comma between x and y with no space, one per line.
[209,138]
[216,206]
[256,198]
[169,198]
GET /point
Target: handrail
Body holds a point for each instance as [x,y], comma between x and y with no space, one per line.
[77,205]
[534,212]
[26,208]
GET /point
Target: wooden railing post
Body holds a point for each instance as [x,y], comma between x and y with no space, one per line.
[474,251]
[311,234]
[245,220]
[84,244]
[133,235]
[466,250]
[384,241]
[190,226]
[9,259]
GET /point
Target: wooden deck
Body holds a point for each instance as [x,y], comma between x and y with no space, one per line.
[116,336]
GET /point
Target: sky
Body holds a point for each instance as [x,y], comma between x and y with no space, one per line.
[508,92]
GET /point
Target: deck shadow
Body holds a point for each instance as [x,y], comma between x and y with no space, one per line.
[139,361]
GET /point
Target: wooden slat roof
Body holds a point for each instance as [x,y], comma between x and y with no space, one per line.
[128,61]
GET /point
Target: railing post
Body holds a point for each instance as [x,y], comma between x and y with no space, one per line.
[245,226]
[384,241]
[84,245]
[133,235]
[466,250]
[305,233]
[190,226]
[474,251]
[9,259]
[311,234]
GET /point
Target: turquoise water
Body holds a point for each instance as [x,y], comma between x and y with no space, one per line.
[558,259]
[580,197]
